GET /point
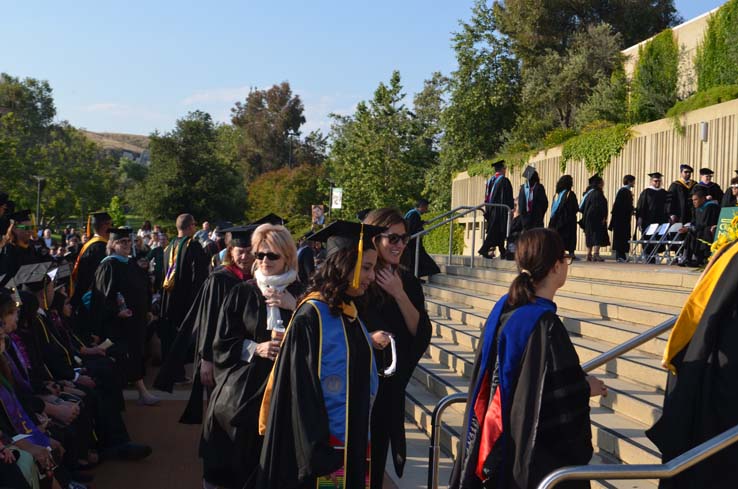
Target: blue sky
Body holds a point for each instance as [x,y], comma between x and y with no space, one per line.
[138,66]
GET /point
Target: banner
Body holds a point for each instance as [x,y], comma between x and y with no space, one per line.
[726,216]
[336,198]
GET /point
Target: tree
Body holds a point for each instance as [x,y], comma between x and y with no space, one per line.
[608,101]
[654,85]
[115,209]
[187,174]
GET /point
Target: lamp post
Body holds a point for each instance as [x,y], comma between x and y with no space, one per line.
[39,179]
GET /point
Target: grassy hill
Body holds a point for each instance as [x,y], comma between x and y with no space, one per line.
[119,142]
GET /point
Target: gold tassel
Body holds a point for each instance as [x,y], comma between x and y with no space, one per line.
[33,223]
[89,226]
[359,259]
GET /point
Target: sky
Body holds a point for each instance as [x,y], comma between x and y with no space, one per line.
[136,67]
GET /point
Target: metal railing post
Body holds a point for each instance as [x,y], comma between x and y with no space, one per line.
[472,252]
[417,255]
[450,240]
[434,450]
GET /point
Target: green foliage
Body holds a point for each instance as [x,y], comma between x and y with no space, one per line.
[596,147]
[711,96]
[716,61]
[436,242]
[608,101]
[115,209]
[558,136]
[654,85]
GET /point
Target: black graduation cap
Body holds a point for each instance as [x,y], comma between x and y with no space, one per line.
[686,167]
[270,219]
[31,277]
[528,172]
[21,216]
[60,275]
[119,233]
[344,235]
[361,215]
[706,171]
[308,235]
[499,165]
[655,175]
[241,235]
[100,217]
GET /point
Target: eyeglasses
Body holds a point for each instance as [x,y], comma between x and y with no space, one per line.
[569,259]
[124,241]
[24,227]
[271,256]
[396,238]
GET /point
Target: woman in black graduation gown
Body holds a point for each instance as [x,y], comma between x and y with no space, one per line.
[594,216]
[564,213]
[622,215]
[243,355]
[532,202]
[527,412]
[120,303]
[317,406]
[394,306]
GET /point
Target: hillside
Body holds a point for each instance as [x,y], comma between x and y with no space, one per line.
[133,143]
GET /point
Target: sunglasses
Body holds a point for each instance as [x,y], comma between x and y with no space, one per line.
[271,256]
[24,227]
[396,238]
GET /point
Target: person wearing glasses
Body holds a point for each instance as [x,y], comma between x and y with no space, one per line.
[247,340]
[680,192]
[652,206]
[185,269]
[714,192]
[527,412]
[17,249]
[393,307]
[731,196]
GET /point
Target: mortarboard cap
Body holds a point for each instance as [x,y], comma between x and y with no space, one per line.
[308,235]
[119,233]
[361,215]
[100,217]
[31,277]
[655,175]
[241,235]
[706,171]
[346,235]
[21,216]
[499,165]
[270,219]
[686,167]
[60,275]
[528,172]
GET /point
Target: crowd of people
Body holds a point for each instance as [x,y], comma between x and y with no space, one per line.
[694,204]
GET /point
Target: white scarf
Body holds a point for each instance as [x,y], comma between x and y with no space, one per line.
[279,283]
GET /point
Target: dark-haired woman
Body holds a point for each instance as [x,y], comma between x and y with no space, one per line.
[532,202]
[594,216]
[528,406]
[394,307]
[564,213]
[317,405]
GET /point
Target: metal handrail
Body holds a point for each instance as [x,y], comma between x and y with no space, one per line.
[466,210]
[673,467]
[434,450]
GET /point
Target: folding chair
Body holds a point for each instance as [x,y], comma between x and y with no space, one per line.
[653,245]
[634,256]
[674,242]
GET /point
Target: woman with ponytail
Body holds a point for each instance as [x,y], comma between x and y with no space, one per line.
[528,407]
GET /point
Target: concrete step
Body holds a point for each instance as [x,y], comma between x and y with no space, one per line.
[633,292]
[482,294]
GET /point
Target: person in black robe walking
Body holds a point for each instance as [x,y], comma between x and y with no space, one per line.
[394,306]
[413,217]
[701,400]
[564,213]
[701,231]
[498,191]
[527,411]
[680,193]
[622,215]
[246,342]
[532,202]
[714,192]
[186,268]
[730,197]
[594,217]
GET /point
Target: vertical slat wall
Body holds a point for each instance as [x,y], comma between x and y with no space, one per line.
[655,146]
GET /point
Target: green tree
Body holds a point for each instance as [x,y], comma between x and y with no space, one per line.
[608,101]
[654,85]
[187,174]
[116,211]
[716,61]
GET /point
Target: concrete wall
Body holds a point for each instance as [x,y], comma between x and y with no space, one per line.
[655,146]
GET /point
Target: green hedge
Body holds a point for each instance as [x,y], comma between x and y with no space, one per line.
[596,147]
[716,61]
[436,242]
[711,96]
[654,85]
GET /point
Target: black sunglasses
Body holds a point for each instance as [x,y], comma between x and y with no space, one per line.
[270,255]
[396,238]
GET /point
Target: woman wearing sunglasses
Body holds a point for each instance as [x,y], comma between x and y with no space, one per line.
[394,307]
[247,341]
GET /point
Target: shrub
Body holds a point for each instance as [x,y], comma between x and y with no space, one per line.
[596,147]
[716,61]
[436,242]
[654,86]
[711,96]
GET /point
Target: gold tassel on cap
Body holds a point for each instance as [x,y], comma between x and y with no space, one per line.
[359,259]
[89,226]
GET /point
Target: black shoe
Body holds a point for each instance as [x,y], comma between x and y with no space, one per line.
[129,451]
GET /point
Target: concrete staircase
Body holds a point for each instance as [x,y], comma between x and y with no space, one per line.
[602,305]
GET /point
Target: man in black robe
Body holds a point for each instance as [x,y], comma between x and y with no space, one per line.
[680,191]
[701,400]
[20,251]
[714,192]
[730,197]
[622,215]
[498,191]
[651,206]
[704,221]
[532,202]
[185,270]
[426,265]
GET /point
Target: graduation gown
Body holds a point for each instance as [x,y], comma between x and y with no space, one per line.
[680,200]
[701,400]
[230,440]
[499,191]
[88,261]
[652,207]
[533,217]
[381,312]
[426,265]
[297,448]
[543,399]
[713,190]
[706,216]
[594,216]
[12,257]
[621,217]
[305,264]
[564,221]
[729,200]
